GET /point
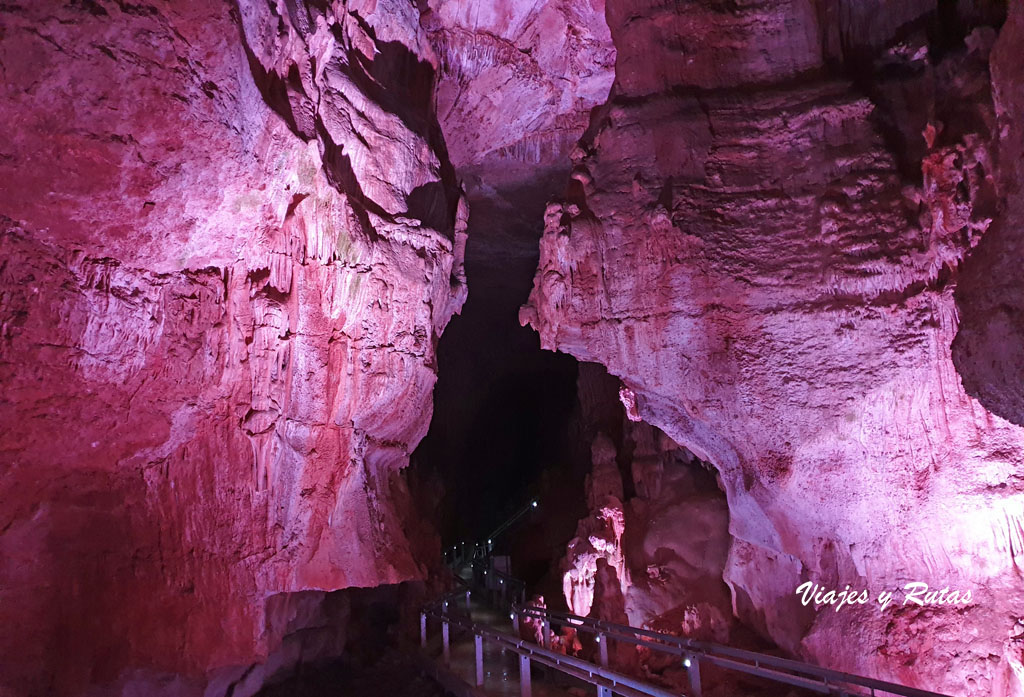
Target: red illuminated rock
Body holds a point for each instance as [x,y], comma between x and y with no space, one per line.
[767,258]
[225,260]
[599,537]
[656,559]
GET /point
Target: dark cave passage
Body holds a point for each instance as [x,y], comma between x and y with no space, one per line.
[500,435]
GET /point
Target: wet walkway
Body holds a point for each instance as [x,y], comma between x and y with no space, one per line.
[501,669]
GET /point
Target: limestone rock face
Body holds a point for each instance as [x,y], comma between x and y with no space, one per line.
[766,255]
[988,347]
[677,541]
[517,82]
[655,558]
[598,537]
[230,237]
[518,79]
[666,545]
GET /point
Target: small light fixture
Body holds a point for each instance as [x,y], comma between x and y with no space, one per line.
[488,542]
[534,504]
[598,640]
[512,615]
[501,580]
[686,662]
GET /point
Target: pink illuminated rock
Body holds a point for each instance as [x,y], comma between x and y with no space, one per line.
[677,541]
[755,265]
[598,538]
[518,80]
[655,560]
[988,346]
[226,260]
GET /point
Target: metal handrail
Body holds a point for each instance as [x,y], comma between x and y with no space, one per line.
[512,588]
[605,679]
[510,522]
[451,599]
[459,551]
[831,681]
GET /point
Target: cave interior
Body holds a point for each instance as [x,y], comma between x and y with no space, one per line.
[666,310]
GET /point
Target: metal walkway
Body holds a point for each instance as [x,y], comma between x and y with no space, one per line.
[482,646]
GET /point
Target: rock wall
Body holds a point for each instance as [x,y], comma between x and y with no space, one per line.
[230,237]
[762,237]
[666,543]
[651,552]
[987,349]
[518,80]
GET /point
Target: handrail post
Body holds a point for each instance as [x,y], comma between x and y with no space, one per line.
[546,639]
[444,639]
[423,630]
[525,689]
[692,664]
[602,642]
[479,641]
[603,691]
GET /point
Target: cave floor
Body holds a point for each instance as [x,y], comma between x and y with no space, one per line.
[501,669]
[391,675]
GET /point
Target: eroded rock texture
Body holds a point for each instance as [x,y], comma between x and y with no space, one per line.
[518,79]
[516,87]
[517,82]
[761,238]
[230,239]
[988,347]
[652,550]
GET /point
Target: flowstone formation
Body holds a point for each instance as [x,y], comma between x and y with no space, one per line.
[652,550]
[518,81]
[762,237]
[990,293]
[231,237]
